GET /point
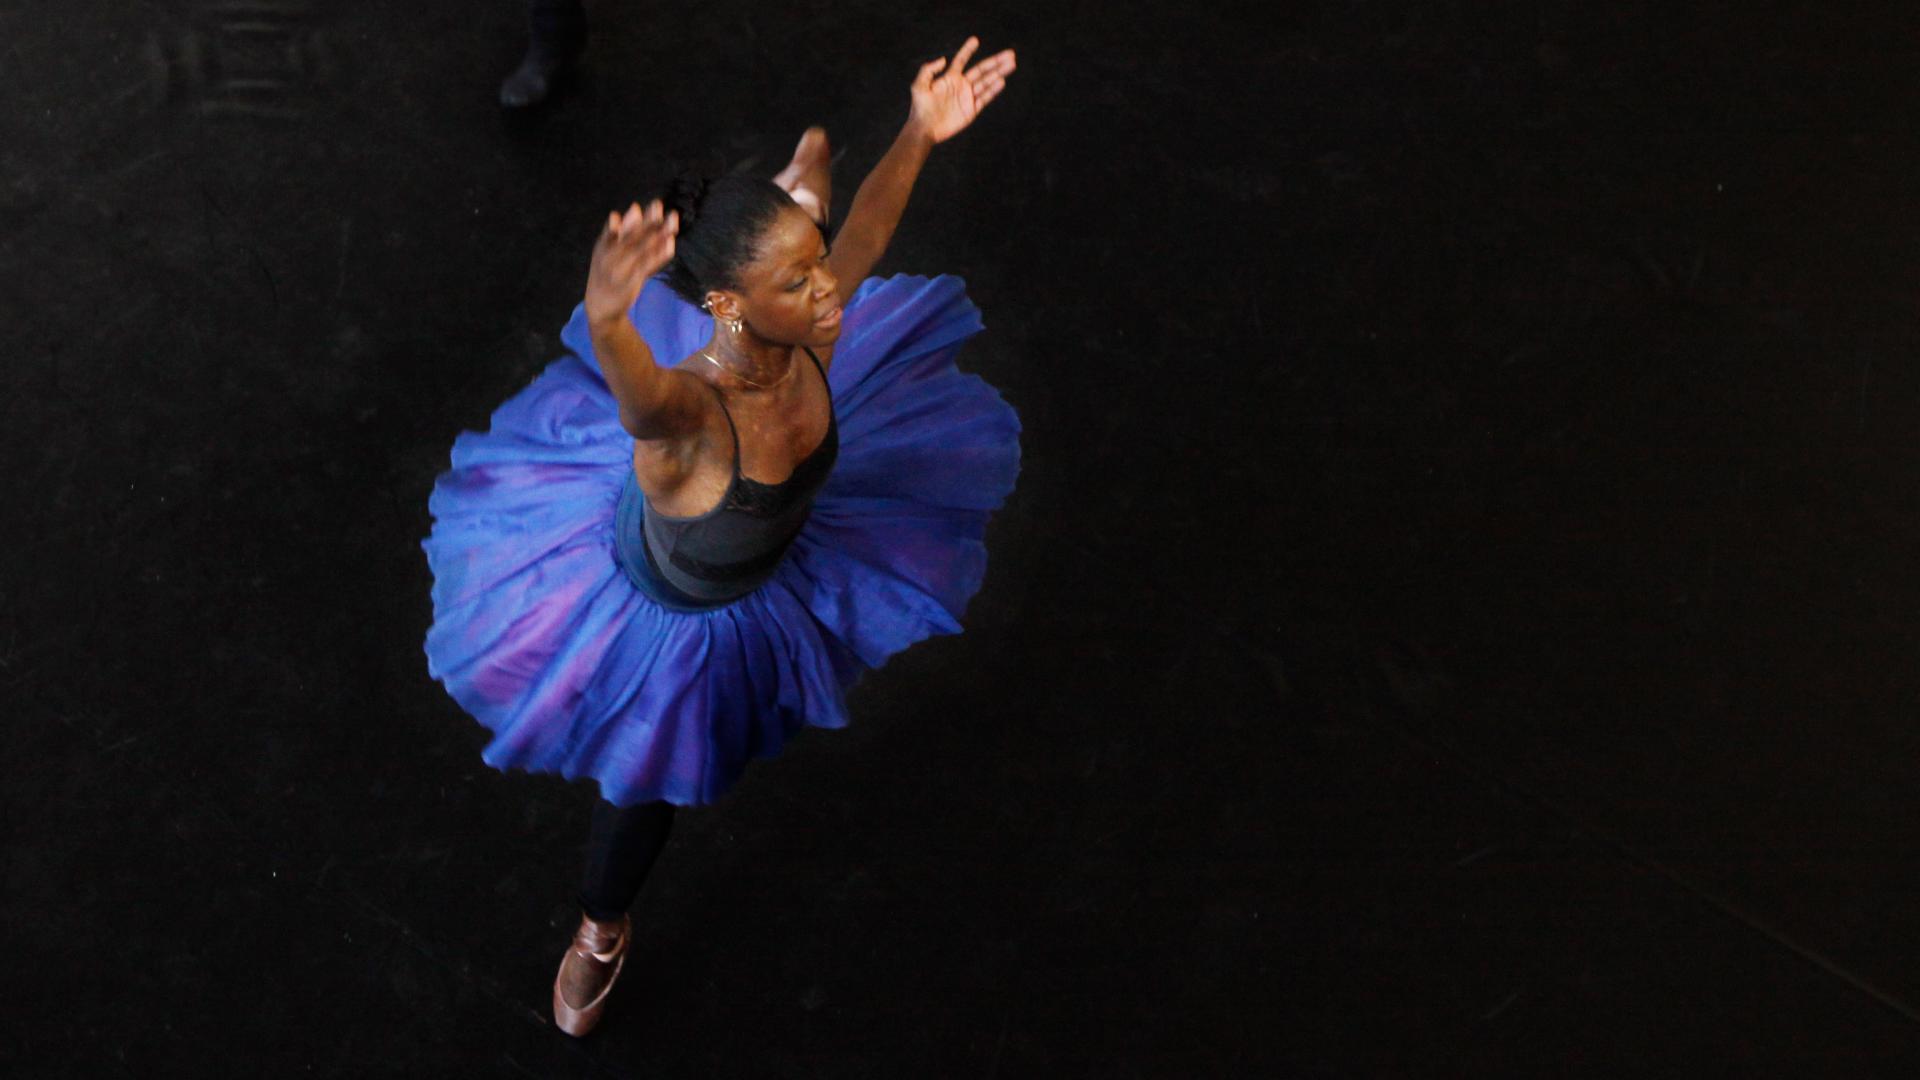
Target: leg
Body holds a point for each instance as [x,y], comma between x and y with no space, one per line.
[622,845]
[557,32]
[621,849]
[809,176]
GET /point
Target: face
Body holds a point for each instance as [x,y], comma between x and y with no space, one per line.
[787,294]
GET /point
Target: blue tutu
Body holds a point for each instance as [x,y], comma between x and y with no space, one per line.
[540,635]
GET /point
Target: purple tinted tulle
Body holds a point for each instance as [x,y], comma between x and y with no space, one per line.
[539,635]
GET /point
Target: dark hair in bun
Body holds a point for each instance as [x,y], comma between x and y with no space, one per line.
[721,222]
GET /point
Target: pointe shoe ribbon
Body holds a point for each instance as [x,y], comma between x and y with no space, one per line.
[602,948]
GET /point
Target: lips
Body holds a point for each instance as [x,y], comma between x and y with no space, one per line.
[828,321]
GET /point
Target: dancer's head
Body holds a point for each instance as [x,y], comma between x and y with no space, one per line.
[746,251]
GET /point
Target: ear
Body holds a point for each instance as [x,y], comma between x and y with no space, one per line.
[722,305]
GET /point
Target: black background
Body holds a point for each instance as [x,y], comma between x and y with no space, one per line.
[1455,618]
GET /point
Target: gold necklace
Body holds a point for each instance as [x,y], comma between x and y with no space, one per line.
[708,357]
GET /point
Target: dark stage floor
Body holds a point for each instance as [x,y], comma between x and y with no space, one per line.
[1455,618]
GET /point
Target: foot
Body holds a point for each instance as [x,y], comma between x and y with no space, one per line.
[587,973]
[540,72]
[809,176]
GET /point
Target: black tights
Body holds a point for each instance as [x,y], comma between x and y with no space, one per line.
[622,844]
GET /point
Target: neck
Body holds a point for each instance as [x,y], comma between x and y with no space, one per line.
[751,359]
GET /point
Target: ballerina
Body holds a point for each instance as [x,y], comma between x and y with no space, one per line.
[651,572]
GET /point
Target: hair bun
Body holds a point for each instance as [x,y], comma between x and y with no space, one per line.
[721,222]
[685,194]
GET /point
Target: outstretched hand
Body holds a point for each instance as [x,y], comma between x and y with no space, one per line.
[945,102]
[633,247]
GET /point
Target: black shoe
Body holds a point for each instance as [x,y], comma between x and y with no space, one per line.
[545,66]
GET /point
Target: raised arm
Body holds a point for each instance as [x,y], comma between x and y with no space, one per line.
[944,103]
[655,402]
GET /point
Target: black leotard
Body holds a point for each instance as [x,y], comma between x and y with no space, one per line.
[711,559]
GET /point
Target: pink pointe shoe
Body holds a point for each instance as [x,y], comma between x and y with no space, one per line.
[587,973]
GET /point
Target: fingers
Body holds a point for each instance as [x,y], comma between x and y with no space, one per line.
[663,234]
[989,77]
[640,221]
[1001,63]
[928,70]
[967,49]
[636,243]
[985,90]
